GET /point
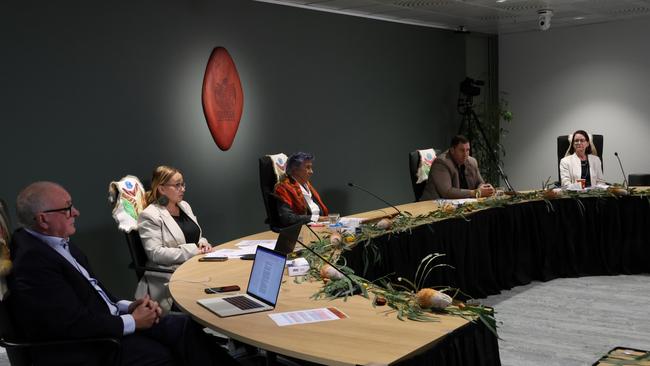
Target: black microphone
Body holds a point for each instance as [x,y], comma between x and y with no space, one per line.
[622,171]
[374,195]
[355,289]
[313,232]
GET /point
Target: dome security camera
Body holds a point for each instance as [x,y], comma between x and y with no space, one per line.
[544,20]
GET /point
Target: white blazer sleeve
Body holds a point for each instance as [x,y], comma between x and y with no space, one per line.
[159,243]
[565,173]
[596,170]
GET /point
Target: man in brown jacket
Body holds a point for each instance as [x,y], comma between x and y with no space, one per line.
[455,174]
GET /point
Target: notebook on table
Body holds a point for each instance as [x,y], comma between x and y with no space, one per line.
[263,287]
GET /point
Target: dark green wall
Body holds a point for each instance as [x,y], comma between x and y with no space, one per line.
[92,92]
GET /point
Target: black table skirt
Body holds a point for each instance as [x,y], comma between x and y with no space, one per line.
[501,248]
[472,344]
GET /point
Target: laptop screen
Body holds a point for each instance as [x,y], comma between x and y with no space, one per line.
[266,275]
[287,239]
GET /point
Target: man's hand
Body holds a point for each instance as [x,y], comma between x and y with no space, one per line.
[486,190]
[136,303]
[145,312]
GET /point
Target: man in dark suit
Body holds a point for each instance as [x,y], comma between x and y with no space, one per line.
[455,174]
[55,295]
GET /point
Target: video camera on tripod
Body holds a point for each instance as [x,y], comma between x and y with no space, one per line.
[469,88]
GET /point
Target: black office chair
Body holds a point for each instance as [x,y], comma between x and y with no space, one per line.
[136,249]
[414,162]
[642,180]
[267,184]
[563,145]
[139,257]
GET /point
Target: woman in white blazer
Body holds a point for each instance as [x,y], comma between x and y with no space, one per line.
[581,162]
[169,231]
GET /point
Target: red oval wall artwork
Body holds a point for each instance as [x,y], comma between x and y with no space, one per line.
[222,98]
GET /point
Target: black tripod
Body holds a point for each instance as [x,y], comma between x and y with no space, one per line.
[469,118]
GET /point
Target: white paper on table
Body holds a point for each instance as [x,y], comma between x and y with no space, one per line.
[351,221]
[267,243]
[243,247]
[574,187]
[456,202]
[307,316]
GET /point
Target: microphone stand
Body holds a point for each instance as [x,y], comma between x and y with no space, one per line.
[622,171]
[374,195]
[354,286]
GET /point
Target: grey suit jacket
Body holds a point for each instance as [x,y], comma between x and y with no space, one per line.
[443,181]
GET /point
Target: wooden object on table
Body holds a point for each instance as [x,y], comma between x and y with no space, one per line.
[625,356]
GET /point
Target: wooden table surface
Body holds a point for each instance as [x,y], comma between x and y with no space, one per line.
[368,335]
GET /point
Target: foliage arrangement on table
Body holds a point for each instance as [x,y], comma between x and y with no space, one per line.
[405,297]
[405,221]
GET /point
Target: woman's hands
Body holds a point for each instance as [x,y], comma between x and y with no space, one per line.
[205,248]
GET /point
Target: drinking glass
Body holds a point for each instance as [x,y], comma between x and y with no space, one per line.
[334,218]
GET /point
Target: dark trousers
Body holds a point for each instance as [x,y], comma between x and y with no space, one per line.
[175,340]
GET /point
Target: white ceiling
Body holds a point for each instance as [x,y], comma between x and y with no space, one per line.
[484,16]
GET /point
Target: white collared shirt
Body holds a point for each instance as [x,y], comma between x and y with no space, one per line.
[313,207]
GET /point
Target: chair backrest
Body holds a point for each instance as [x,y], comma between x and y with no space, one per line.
[128,199]
[419,163]
[563,145]
[5,224]
[18,356]
[414,161]
[267,184]
[138,255]
[5,255]
[639,180]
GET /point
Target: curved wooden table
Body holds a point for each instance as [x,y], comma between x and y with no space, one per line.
[368,335]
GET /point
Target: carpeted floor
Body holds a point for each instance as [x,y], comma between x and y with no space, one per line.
[572,321]
[566,322]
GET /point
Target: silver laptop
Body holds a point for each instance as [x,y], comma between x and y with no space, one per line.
[263,287]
